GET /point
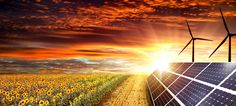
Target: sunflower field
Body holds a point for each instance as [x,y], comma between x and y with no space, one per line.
[56,89]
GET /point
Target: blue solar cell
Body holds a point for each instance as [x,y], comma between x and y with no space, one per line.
[193,93]
[230,83]
[163,99]
[216,72]
[195,69]
[151,80]
[182,68]
[179,84]
[158,91]
[173,102]
[155,85]
[170,79]
[219,98]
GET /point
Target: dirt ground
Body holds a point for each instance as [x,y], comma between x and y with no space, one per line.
[132,92]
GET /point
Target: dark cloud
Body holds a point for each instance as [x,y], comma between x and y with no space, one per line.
[107,51]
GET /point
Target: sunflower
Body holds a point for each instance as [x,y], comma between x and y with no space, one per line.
[46,102]
[26,101]
[41,103]
[73,89]
[64,88]
[54,98]
[17,95]
[24,95]
[10,99]
[49,92]
[31,99]
[21,103]
[7,93]
[68,91]
[36,100]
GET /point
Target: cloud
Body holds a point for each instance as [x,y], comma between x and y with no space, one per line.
[66,29]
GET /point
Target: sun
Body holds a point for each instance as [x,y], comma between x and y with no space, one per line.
[161,65]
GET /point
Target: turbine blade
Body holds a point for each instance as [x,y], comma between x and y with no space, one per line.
[189,30]
[185,46]
[203,39]
[219,45]
[233,34]
[226,28]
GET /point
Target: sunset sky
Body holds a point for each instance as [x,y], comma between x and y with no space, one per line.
[132,30]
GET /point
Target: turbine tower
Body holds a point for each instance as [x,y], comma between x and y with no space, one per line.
[192,40]
[229,35]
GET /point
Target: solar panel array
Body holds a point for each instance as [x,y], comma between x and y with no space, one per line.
[201,84]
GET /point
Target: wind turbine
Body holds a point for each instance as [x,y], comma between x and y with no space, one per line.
[229,35]
[192,40]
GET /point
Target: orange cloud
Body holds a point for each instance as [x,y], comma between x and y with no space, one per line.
[66,29]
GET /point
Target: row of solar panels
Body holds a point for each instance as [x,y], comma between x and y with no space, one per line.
[190,84]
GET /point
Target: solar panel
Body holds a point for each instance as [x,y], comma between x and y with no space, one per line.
[168,81]
[178,85]
[156,73]
[173,102]
[195,69]
[151,80]
[195,84]
[158,91]
[193,93]
[174,66]
[164,76]
[154,85]
[218,98]
[163,99]
[230,83]
[182,68]
[216,72]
